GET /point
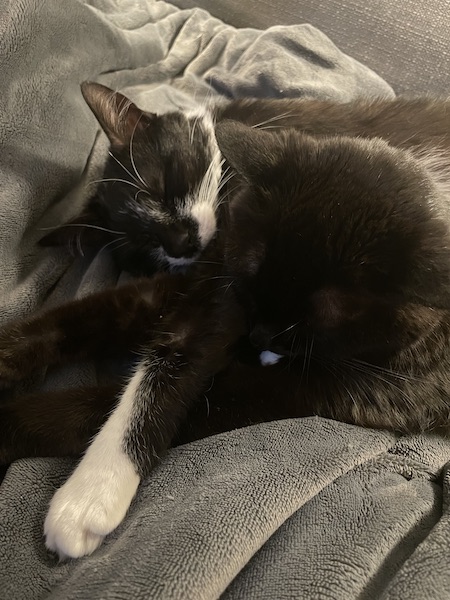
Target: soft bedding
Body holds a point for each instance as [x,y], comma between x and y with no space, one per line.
[305,508]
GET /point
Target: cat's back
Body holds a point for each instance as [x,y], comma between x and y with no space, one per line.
[403,122]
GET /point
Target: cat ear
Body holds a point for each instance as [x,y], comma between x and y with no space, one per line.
[252,153]
[117,115]
[85,229]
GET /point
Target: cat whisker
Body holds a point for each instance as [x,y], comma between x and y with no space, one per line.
[141,191]
[272,127]
[78,241]
[194,125]
[230,192]
[87,225]
[365,370]
[225,180]
[285,330]
[309,358]
[384,370]
[123,166]
[206,262]
[352,398]
[74,246]
[219,277]
[131,154]
[113,242]
[207,405]
[292,352]
[192,130]
[226,287]
[304,361]
[225,171]
[272,119]
[339,374]
[115,179]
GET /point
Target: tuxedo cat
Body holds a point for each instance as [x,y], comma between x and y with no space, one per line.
[157,205]
[332,264]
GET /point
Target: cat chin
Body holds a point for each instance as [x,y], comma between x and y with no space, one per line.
[175,264]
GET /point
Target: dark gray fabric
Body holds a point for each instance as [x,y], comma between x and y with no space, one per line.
[305,508]
[298,509]
[406,41]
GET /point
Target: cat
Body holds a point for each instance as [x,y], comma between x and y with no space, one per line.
[157,204]
[332,268]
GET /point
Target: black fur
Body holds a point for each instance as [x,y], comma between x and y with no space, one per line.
[335,255]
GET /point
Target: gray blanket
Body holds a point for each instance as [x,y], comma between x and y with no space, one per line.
[295,509]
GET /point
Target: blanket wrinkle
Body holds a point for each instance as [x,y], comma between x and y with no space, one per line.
[295,509]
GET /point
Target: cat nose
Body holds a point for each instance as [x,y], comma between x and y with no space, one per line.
[178,242]
[260,337]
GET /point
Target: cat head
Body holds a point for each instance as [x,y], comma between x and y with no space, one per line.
[160,185]
[337,243]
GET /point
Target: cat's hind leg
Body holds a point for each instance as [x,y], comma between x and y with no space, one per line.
[54,423]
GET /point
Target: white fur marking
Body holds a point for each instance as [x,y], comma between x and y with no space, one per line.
[174,263]
[150,210]
[201,205]
[97,495]
[205,215]
[269,358]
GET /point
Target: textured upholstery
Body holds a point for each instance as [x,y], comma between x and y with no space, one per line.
[405,41]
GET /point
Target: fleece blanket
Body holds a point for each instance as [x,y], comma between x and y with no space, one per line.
[295,509]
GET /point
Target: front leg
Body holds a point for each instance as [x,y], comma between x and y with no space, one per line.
[166,383]
[97,495]
[96,325]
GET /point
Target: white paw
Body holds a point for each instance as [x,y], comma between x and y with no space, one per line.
[91,504]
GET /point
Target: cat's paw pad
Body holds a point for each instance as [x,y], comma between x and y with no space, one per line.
[85,509]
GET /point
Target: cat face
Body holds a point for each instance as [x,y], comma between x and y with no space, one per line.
[336,242]
[159,193]
[167,201]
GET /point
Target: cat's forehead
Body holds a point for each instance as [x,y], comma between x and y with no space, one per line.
[355,211]
[367,184]
[176,152]
[190,133]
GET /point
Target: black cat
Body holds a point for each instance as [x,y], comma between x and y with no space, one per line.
[332,265]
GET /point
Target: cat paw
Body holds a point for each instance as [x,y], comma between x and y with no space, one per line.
[91,504]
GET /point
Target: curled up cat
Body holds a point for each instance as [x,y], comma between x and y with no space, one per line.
[323,289]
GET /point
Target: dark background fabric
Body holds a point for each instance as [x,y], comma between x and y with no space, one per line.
[407,42]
